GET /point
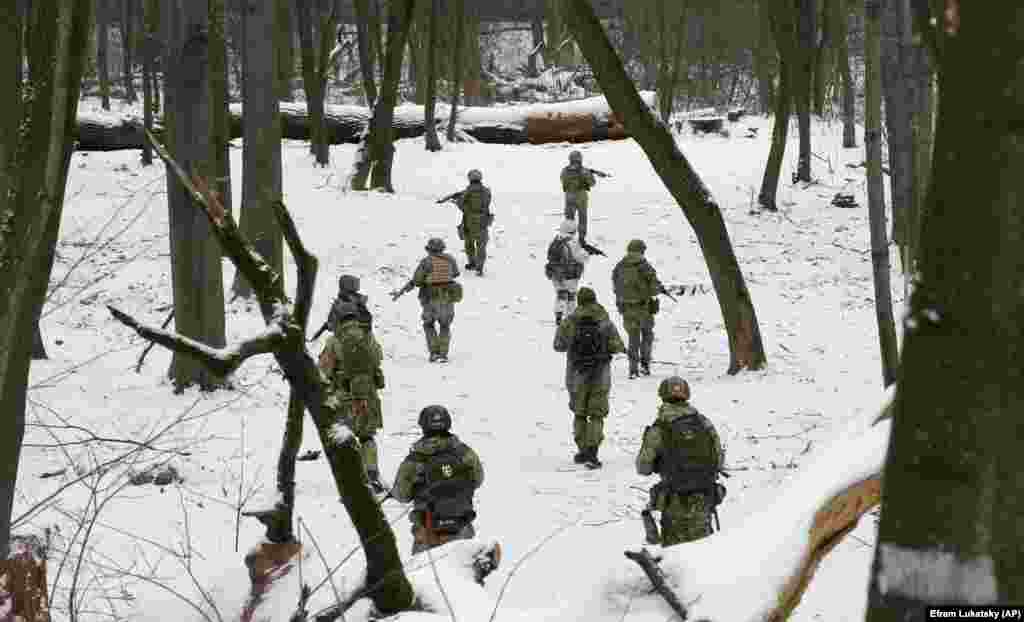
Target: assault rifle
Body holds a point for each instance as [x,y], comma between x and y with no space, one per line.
[597,172]
[453,197]
[662,290]
[321,331]
[591,249]
[398,293]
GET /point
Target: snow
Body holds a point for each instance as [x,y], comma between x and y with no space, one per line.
[935,576]
[808,274]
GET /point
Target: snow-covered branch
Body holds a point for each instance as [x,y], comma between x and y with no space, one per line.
[306,264]
[222,361]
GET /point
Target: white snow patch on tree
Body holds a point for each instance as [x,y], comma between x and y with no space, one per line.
[935,576]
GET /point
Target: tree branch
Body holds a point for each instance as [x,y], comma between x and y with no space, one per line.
[220,361]
[649,564]
[305,262]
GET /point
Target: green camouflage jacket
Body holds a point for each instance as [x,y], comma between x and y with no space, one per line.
[634,280]
[577,179]
[411,476]
[475,205]
[653,443]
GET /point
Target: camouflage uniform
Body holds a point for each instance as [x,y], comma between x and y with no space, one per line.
[685,512]
[351,360]
[588,389]
[439,518]
[566,277]
[636,286]
[438,292]
[576,183]
[348,292]
[475,204]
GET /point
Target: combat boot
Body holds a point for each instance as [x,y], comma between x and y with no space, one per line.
[471,266]
[645,368]
[558,317]
[592,460]
[580,457]
[633,371]
[434,356]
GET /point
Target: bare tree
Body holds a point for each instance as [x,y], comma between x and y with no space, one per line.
[952,502]
[150,43]
[845,74]
[219,113]
[365,40]
[127,48]
[314,73]
[783,28]
[746,350]
[284,38]
[261,155]
[37,144]
[459,18]
[102,48]
[432,142]
[876,191]
[802,70]
[195,257]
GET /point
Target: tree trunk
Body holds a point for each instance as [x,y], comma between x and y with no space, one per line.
[195,257]
[803,71]
[745,347]
[221,130]
[822,55]
[846,76]
[30,209]
[127,15]
[102,47]
[38,346]
[459,15]
[365,43]
[311,82]
[382,148]
[780,133]
[876,191]
[284,43]
[537,34]
[432,142]
[261,144]
[765,59]
[150,14]
[952,503]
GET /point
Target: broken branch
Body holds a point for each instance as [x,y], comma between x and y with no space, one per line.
[649,565]
[306,264]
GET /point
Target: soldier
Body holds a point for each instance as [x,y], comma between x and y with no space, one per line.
[475,205]
[683,447]
[636,288]
[439,292]
[576,183]
[589,340]
[351,360]
[566,259]
[439,475]
[348,291]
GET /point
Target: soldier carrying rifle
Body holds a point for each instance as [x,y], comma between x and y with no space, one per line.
[577,181]
[475,204]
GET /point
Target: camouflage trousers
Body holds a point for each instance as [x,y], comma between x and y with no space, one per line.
[442,314]
[576,209]
[639,324]
[589,403]
[565,295]
[685,518]
[475,243]
[423,538]
[363,418]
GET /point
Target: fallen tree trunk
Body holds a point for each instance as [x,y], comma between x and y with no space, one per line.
[577,121]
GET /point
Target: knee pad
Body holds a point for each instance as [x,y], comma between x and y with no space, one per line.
[565,295]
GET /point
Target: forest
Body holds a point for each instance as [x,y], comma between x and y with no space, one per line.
[798,258]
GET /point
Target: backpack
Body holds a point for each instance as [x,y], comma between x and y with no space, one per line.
[689,463]
[357,352]
[632,283]
[590,347]
[449,486]
[357,299]
[560,263]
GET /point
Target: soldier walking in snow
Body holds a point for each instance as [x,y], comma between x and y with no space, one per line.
[576,183]
[351,360]
[440,475]
[475,204]
[589,340]
[439,292]
[636,287]
[566,259]
[684,448]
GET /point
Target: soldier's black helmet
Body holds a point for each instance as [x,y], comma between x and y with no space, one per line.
[575,157]
[674,389]
[636,246]
[435,418]
[435,245]
[346,311]
[586,296]
[475,175]
[348,283]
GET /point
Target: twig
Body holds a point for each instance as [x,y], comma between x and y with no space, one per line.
[323,560]
[519,563]
[650,567]
[142,357]
[437,579]
[241,481]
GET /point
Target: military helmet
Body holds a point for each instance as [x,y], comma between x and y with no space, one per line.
[568,227]
[586,296]
[636,246]
[348,283]
[575,157]
[435,418]
[346,311]
[475,174]
[674,389]
[435,245]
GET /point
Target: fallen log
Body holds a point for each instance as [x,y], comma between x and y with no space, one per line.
[583,120]
[23,582]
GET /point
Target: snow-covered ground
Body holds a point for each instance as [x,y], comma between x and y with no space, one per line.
[807,269]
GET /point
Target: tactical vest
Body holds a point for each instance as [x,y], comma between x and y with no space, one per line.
[689,461]
[448,487]
[574,179]
[633,284]
[473,201]
[561,263]
[589,345]
[440,270]
[358,300]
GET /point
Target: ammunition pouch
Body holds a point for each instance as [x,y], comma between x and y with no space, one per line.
[455,292]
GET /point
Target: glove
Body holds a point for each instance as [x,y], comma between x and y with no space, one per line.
[395,293]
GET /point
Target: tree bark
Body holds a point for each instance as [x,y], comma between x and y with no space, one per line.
[537,34]
[846,76]
[803,70]
[953,501]
[221,130]
[823,51]
[261,145]
[196,272]
[876,192]
[365,43]
[30,209]
[459,15]
[284,43]
[102,47]
[765,59]
[783,28]
[150,14]
[311,82]
[127,49]
[746,350]
[431,140]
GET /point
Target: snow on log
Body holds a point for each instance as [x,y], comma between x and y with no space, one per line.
[576,121]
[779,548]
